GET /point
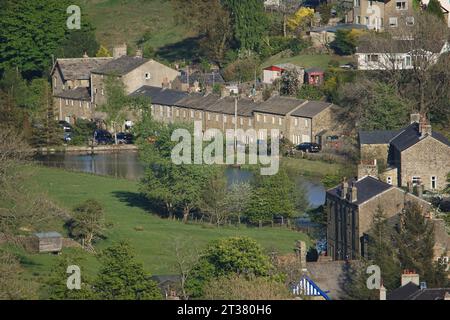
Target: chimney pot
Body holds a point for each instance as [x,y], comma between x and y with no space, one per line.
[415,117]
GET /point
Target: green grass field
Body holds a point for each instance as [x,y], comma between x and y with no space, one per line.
[119,21]
[126,211]
[306,60]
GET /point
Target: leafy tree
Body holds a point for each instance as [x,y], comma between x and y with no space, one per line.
[31,32]
[87,222]
[310,92]
[102,52]
[301,19]
[213,201]
[122,278]
[82,131]
[249,22]
[415,242]
[46,131]
[273,195]
[325,12]
[229,256]
[79,42]
[56,285]
[290,83]
[344,43]
[355,278]
[382,251]
[237,199]
[116,104]
[434,8]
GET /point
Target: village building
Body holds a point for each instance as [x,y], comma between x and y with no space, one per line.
[71,87]
[382,14]
[413,156]
[275,72]
[351,207]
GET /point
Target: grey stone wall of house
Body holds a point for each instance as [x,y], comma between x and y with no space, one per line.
[72,109]
[347,223]
[426,159]
[98,89]
[299,129]
[391,11]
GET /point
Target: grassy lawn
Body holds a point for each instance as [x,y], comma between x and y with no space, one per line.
[126,211]
[119,21]
[309,167]
[307,60]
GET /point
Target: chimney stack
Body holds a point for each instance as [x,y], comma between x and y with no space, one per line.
[410,276]
[415,118]
[139,53]
[85,55]
[424,127]
[353,193]
[344,188]
[120,51]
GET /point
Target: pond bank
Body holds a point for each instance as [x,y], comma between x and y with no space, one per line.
[88,149]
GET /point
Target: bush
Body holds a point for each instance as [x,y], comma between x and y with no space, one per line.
[82,131]
[309,92]
[242,70]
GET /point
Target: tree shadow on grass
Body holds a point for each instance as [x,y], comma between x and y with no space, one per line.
[138,200]
[187,49]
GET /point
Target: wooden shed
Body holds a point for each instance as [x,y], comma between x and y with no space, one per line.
[47,242]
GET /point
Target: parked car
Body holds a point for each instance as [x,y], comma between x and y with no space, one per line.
[348,66]
[67,137]
[125,138]
[309,147]
[65,126]
[103,137]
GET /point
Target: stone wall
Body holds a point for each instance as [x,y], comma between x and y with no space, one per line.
[68,109]
[426,159]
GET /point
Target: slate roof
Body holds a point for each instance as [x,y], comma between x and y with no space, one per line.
[120,66]
[226,105]
[311,109]
[80,68]
[412,291]
[52,234]
[377,137]
[367,188]
[79,93]
[167,97]
[198,101]
[411,135]
[208,78]
[279,105]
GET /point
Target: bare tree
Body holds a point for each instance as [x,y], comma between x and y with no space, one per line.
[186,257]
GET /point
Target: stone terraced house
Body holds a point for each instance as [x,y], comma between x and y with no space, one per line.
[413,156]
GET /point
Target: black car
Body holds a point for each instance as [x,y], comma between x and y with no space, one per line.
[309,147]
[65,126]
[103,137]
[125,138]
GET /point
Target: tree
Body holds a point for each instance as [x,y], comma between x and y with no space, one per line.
[187,256]
[56,285]
[214,197]
[116,104]
[310,92]
[249,22]
[236,287]
[31,32]
[382,251]
[237,199]
[273,195]
[325,12]
[78,43]
[87,222]
[434,8]
[12,283]
[229,256]
[374,105]
[415,241]
[102,52]
[345,42]
[122,278]
[301,19]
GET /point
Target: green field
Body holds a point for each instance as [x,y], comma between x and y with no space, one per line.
[119,21]
[125,210]
[307,60]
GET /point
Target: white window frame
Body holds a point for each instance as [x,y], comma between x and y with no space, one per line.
[415,180]
[433,182]
[391,22]
[389,180]
[148,76]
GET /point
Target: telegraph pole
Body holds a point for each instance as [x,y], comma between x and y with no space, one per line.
[235,122]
